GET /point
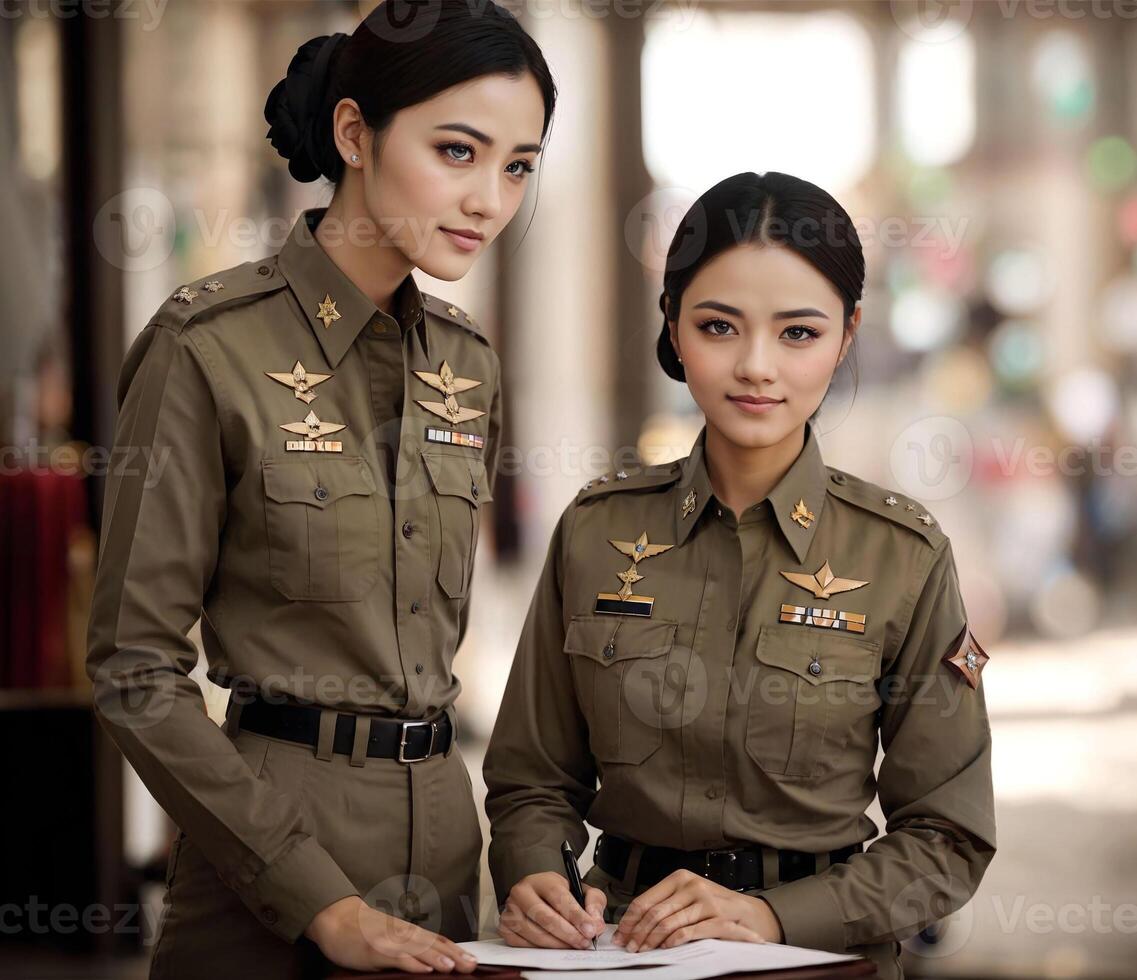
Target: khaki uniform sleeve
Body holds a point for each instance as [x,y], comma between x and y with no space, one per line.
[157,555]
[935,791]
[539,770]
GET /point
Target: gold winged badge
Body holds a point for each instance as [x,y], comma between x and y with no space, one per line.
[449,386]
[823,583]
[624,602]
[313,431]
[300,381]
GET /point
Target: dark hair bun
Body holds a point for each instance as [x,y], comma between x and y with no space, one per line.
[293,108]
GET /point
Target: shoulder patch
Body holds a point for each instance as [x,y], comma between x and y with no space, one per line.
[219,291]
[886,504]
[633,478]
[449,313]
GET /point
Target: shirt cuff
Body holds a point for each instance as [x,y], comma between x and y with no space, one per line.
[288,893]
[808,913]
[531,861]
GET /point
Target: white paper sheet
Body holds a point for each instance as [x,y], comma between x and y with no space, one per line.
[703,958]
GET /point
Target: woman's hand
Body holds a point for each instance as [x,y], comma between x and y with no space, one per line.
[685,907]
[541,911]
[352,934]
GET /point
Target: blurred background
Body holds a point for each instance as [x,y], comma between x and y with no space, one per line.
[987,152]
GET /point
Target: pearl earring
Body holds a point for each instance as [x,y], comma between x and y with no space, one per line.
[355,158]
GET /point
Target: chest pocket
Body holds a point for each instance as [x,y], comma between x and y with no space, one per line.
[460,488]
[323,527]
[814,689]
[622,683]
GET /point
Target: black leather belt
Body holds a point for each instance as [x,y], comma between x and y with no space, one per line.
[737,868]
[388,738]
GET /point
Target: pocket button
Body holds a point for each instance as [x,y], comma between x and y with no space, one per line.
[321,493]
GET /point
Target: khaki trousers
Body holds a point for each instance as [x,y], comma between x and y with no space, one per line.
[406,835]
[886,956]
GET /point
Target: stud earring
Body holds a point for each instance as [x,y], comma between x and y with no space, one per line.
[355,158]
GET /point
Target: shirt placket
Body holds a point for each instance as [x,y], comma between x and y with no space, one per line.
[413,560]
[704,767]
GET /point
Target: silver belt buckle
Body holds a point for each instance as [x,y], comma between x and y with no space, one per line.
[403,739]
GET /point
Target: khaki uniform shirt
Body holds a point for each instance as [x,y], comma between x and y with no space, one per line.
[746,707]
[329,562]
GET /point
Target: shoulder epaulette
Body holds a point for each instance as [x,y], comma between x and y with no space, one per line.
[219,291]
[451,314]
[636,478]
[886,504]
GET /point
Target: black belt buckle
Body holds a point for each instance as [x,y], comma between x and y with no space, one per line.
[730,868]
[403,739]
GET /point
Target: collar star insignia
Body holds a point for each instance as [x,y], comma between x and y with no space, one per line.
[185,295]
[453,311]
[890,500]
[300,381]
[801,514]
[968,659]
[213,285]
[927,519]
[909,507]
[327,311]
[823,583]
[637,550]
[689,504]
[312,427]
[448,385]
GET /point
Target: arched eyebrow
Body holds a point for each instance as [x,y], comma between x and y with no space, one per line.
[488,140]
[710,304]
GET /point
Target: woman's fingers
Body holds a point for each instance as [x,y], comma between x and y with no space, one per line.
[712,929]
[688,915]
[580,922]
[529,921]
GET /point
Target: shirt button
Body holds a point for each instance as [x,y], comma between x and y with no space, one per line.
[269,915]
[730,626]
[814,668]
[418,668]
[416,606]
[712,793]
[474,490]
[264,270]
[408,529]
[321,493]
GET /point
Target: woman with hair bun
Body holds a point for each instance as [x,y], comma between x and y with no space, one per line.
[329,437]
[718,716]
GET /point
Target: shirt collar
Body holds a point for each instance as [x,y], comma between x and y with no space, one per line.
[313,276]
[804,481]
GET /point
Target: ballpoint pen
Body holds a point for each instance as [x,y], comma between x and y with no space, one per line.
[572,872]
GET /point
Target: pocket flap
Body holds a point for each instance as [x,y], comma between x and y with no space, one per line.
[456,475]
[841,656]
[299,481]
[589,636]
